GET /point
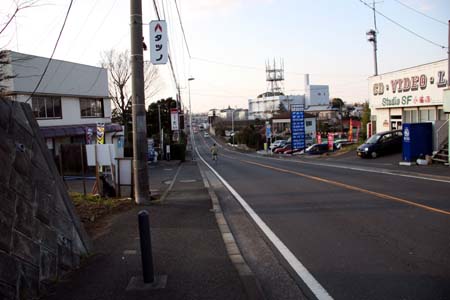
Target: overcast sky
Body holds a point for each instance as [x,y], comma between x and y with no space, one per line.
[230,41]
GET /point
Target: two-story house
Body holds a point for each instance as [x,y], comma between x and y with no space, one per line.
[68,101]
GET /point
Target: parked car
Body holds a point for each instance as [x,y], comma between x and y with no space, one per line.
[381,143]
[317,149]
[205,134]
[277,144]
[293,151]
[282,149]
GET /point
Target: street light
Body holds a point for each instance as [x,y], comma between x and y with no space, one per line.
[190,117]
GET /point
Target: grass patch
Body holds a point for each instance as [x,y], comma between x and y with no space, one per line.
[92,208]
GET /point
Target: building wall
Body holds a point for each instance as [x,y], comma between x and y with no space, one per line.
[71,113]
[317,95]
[415,94]
[263,108]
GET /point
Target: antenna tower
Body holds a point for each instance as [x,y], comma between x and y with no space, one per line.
[275,76]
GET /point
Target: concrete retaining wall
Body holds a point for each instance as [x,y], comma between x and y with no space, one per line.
[41,237]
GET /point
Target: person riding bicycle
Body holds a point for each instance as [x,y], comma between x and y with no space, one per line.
[214,151]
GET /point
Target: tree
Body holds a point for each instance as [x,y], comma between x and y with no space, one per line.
[365,118]
[153,117]
[119,70]
[20,5]
[337,103]
[4,57]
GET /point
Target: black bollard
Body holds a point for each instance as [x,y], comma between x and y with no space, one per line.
[146,247]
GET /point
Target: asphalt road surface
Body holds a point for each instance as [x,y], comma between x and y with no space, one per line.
[361,235]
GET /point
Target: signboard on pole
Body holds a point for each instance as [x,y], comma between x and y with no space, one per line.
[100,133]
[268,130]
[298,129]
[158,42]
[330,141]
[174,119]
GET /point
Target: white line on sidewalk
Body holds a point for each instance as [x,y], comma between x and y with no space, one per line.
[315,287]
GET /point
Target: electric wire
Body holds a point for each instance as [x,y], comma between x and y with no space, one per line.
[421,13]
[403,27]
[53,52]
[182,29]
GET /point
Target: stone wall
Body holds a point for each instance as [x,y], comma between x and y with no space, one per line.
[41,236]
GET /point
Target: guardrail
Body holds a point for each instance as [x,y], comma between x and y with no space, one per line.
[442,134]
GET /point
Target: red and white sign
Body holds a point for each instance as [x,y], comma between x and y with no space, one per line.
[330,141]
[319,138]
[174,118]
[159,46]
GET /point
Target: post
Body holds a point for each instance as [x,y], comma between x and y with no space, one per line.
[448,85]
[83,173]
[232,126]
[141,185]
[146,247]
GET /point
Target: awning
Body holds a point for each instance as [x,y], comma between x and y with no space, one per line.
[76,130]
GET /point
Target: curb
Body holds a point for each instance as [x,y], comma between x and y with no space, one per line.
[251,284]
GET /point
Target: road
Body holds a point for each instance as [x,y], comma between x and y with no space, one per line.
[359,234]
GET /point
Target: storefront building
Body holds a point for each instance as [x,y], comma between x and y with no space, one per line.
[412,95]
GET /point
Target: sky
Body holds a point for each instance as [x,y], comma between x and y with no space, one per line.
[229,41]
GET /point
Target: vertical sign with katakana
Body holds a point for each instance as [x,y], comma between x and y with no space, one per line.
[158,42]
[298,129]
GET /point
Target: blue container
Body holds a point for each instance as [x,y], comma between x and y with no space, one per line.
[417,140]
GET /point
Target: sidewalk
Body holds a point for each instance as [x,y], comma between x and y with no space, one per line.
[186,241]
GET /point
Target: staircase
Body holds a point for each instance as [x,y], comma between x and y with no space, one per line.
[442,155]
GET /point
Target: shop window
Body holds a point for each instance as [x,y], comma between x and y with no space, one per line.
[427,115]
[91,108]
[46,107]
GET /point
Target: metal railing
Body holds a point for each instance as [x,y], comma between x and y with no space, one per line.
[442,135]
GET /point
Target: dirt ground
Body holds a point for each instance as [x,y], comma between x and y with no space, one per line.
[95,211]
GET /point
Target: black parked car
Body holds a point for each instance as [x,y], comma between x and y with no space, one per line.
[381,143]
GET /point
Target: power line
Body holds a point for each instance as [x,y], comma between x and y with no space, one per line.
[182,29]
[263,69]
[403,27]
[421,13]
[54,50]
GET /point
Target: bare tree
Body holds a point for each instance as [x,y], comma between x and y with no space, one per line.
[119,70]
[4,57]
[20,5]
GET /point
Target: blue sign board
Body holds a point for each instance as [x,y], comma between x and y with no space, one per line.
[268,131]
[298,129]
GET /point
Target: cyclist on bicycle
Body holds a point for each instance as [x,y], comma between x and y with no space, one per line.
[214,152]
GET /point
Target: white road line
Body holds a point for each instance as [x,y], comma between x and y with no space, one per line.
[316,288]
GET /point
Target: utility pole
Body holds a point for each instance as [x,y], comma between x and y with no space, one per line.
[191,132]
[161,138]
[372,37]
[140,175]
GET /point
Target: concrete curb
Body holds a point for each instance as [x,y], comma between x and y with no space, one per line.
[250,282]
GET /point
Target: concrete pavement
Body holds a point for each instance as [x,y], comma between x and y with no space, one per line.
[188,247]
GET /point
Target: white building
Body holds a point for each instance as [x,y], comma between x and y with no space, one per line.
[411,95]
[264,106]
[68,103]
